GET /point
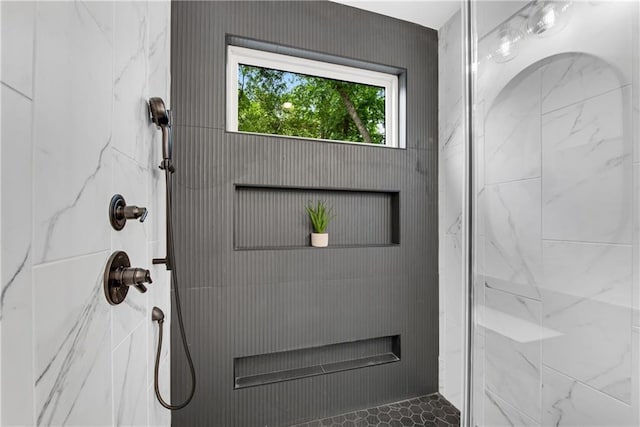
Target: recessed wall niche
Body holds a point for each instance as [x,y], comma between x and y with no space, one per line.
[271,217]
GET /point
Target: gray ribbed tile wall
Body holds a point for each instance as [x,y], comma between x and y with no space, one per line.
[239,303]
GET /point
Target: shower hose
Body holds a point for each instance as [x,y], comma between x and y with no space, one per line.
[168,170]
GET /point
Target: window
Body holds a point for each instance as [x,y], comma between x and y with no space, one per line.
[275,94]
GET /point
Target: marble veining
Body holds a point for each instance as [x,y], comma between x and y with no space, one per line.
[12,280]
[587,298]
[587,155]
[55,217]
[18,22]
[70,166]
[451,164]
[499,413]
[132,136]
[512,368]
[636,244]
[568,402]
[512,132]
[513,252]
[575,77]
[63,377]
[130,382]
[578,250]
[16,314]
[68,358]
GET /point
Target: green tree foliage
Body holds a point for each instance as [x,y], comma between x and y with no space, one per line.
[283,103]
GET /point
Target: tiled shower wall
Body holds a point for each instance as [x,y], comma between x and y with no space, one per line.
[75,77]
[557,333]
[558,236]
[450,175]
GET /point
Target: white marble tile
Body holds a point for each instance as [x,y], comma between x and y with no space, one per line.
[636,245]
[15,299]
[17,33]
[635,393]
[441,366]
[130,180]
[452,289]
[568,402]
[635,54]
[452,386]
[512,132]
[453,286]
[73,343]
[512,368]
[452,166]
[586,18]
[480,183]
[17,348]
[587,171]
[478,372]
[513,255]
[16,186]
[599,272]
[451,163]
[102,13]
[454,365]
[587,298]
[72,133]
[450,88]
[130,384]
[499,413]
[159,17]
[131,134]
[156,222]
[575,77]
[479,288]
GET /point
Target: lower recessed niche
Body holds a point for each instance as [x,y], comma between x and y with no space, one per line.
[275,218]
[251,371]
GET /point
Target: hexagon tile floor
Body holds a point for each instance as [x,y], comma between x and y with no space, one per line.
[431,410]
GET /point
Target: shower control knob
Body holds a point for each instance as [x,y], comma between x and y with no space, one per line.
[119,212]
[133,212]
[132,277]
[119,276]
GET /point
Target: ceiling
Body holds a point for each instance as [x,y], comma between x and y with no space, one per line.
[428,13]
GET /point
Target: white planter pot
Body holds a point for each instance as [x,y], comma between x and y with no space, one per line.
[319,240]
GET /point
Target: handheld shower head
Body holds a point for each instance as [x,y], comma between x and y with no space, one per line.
[161,117]
[158,111]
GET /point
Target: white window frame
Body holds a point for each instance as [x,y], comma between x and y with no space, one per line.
[237,55]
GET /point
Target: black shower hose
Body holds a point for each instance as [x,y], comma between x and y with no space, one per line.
[174,278]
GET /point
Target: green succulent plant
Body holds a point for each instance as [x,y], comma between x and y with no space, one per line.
[320,215]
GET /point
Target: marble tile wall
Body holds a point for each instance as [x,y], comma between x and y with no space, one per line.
[559,233]
[450,175]
[75,131]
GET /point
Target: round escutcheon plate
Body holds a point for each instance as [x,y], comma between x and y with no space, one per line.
[114,291]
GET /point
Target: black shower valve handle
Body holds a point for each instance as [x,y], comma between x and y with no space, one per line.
[135,212]
[120,212]
[135,277]
[119,276]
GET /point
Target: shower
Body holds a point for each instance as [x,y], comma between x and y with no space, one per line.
[551,209]
[161,117]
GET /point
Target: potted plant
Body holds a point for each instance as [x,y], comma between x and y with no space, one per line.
[320,215]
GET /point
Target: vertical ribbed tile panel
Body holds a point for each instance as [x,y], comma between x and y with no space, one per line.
[240,303]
